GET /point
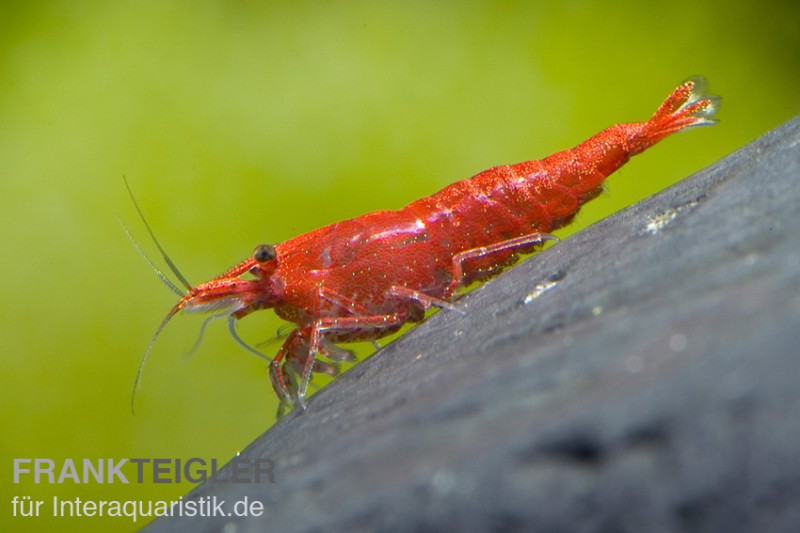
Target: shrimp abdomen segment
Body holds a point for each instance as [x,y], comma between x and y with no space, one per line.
[539,196]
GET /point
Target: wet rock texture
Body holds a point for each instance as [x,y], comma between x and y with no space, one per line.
[642,375]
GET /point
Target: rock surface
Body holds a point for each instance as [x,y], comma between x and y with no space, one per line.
[640,376]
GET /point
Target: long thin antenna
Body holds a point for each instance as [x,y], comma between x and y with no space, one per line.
[167,260]
[164,279]
[138,381]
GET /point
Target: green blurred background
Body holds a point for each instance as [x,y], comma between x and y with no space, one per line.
[238,123]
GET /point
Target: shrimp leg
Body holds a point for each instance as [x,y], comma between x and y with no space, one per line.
[303,344]
[293,348]
[428,301]
[425,300]
[510,244]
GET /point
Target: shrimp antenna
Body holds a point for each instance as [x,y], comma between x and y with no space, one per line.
[164,255]
[164,279]
[138,381]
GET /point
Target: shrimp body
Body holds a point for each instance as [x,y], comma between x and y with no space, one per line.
[363,278]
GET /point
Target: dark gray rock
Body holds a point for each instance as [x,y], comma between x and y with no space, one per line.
[640,376]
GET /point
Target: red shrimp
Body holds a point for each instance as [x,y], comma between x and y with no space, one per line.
[364,278]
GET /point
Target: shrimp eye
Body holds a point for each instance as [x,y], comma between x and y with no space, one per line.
[264,253]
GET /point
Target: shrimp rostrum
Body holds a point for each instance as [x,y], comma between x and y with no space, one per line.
[364,278]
